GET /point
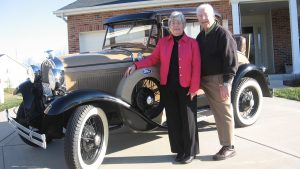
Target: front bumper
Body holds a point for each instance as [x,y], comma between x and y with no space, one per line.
[28,133]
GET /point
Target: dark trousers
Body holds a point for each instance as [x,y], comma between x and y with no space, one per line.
[181,120]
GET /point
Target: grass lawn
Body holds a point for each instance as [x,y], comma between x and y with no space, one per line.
[10,100]
[292,93]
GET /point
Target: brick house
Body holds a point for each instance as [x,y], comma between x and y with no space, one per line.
[272,25]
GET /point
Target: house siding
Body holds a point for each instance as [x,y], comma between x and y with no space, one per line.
[281,39]
[94,21]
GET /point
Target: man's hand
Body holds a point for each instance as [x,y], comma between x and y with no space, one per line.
[192,95]
[225,91]
[129,70]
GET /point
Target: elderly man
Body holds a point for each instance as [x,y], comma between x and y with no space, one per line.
[219,65]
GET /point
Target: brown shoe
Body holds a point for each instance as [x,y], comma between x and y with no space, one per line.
[224,153]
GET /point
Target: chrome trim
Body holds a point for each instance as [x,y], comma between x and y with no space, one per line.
[29,134]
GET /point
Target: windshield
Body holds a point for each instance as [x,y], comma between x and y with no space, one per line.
[133,34]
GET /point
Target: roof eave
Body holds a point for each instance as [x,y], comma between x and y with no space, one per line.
[124,6]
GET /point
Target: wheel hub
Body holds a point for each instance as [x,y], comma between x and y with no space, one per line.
[149,100]
[97,140]
[247,101]
[145,98]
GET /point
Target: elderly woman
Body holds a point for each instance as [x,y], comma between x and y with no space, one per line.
[179,59]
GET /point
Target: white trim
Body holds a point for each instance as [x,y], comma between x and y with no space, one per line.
[294,35]
[126,6]
[254,1]
[235,17]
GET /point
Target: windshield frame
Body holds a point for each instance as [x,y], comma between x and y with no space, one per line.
[151,22]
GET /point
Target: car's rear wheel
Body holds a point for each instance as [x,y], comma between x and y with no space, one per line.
[86,138]
[146,97]
[247,102]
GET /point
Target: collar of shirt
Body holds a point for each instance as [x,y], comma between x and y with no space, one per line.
[211,28]
[184,37]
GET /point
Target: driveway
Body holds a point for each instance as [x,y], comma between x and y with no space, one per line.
[273,142]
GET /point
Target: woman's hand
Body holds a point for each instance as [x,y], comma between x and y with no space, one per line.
[129,70]
[192,95]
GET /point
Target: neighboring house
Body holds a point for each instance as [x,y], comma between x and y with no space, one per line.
[272,25]
[12,72]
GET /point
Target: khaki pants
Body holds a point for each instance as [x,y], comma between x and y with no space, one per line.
[222,110]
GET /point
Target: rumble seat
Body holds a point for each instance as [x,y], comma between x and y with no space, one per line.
[243,44]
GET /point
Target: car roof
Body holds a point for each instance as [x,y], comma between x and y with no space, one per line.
[151,15]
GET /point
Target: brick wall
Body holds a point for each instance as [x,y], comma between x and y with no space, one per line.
[281,39]
[94,22]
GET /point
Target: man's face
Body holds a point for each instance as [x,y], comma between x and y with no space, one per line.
[205,19]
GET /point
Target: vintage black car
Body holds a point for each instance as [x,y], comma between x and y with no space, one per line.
[81,97]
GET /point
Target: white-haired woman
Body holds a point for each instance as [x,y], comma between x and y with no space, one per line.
[179,59]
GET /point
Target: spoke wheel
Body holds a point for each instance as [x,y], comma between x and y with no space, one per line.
[86,138]
[247,102]
[146,97]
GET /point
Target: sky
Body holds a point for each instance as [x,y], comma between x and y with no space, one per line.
[29,27]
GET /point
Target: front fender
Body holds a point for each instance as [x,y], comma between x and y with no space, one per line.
[257,73]
[26,89]
[130,116]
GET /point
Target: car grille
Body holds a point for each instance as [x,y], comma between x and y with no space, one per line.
[45,67]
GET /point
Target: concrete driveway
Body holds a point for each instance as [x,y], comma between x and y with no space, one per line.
[273,142]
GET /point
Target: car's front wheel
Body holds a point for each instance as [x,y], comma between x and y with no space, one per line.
[86,138]
[247,102]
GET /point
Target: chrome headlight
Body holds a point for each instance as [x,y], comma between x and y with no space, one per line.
[53,73]
[33,72]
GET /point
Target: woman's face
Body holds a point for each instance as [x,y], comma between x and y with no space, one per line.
[176,27]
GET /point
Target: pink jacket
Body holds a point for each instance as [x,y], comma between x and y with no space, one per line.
[189,61]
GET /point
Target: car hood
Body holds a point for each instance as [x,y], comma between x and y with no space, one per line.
[88,59]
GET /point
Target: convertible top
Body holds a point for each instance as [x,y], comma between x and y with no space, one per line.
[151,15]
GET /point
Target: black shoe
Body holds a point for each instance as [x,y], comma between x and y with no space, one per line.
[187,159]
[179,157]
[224,153]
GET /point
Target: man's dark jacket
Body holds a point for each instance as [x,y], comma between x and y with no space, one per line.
[218,53]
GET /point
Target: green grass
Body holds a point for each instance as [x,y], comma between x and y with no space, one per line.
[292,93]
[10,100]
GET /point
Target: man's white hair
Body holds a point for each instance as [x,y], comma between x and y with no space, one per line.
[207,7]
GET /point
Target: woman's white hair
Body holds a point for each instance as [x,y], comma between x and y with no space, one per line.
[178,16]
[208,9]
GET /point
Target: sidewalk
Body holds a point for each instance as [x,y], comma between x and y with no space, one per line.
[273,142]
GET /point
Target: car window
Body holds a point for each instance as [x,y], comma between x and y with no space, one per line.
[192,28]
[128,33]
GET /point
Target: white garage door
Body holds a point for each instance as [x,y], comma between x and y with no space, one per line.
[91,41]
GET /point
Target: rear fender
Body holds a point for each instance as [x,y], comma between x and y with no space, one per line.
[257,73]
[136,120]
